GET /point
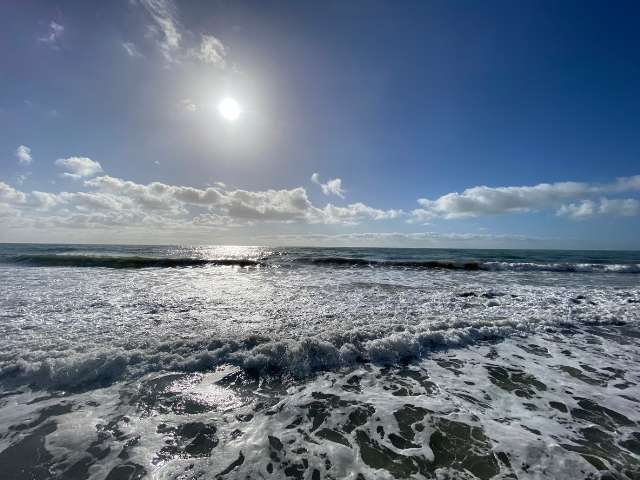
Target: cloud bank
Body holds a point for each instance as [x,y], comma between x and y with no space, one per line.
[561,196]
[107,201]
[102,202]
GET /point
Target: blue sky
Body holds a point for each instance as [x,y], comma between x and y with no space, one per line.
[457,123]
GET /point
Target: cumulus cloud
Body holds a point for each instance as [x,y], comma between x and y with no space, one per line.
[483,200]
[114,201]
[23,154]
[105,201]
[79,167]
[9,195]
[331,187]
[131,49]
[53,35]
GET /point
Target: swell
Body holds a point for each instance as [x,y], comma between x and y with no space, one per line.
[135,262]
[123,262]
[473,265]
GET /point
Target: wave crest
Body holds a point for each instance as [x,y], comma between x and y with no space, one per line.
[474,265]
[128,262]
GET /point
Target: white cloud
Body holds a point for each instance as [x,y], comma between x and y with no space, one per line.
[131,49]
[23,154]
[356,213]
[626,207]
[52,38]
[618,207]
[103,202]
[165,26]
[78,167]
[483,200]
[331,187]
[114,201]
[44,200]
[171,37]
[211,51]
[8,194]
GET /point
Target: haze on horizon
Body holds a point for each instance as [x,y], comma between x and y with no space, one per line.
[493,125]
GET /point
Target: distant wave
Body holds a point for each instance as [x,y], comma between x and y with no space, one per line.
[361,262]
[107,261]
[133,262]
[562,267]
[474,265]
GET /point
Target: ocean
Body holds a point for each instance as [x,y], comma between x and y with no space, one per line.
[178,362]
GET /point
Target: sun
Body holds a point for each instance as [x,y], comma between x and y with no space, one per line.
[229,109]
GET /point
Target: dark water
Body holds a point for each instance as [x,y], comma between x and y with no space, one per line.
[253,362]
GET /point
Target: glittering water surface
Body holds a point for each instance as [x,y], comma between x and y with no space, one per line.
[248,362]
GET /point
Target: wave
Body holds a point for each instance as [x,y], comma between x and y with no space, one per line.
[562,267]
[134,262]
[473,265]
[417,264]
[262,356]
[125,262]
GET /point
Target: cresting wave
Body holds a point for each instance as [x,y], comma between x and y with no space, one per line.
[107,261]
[475,266]
[264,356]
[135,262]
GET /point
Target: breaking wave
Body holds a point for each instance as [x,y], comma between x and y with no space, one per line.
[111,261]
[474,265]
[260,355]
[134,262]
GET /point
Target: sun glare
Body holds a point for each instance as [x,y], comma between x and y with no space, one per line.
[229,109]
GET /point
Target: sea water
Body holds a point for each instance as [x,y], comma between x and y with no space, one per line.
[123,362]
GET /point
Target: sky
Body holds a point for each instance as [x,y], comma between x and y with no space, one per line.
[464,124]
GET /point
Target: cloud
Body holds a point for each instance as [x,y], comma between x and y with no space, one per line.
[102,202]
[211,51]
[165,26]
[20,179]
[10,195]
[114,201]
[483,200]
[171,37]
[626,207]
[331,187]
[79,167]
[618,207]
[131,49]
[23,154]
[356,213]
[52,38]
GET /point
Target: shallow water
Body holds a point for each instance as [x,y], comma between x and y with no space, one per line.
[237,362]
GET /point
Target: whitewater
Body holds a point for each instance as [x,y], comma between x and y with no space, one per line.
[122,362]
